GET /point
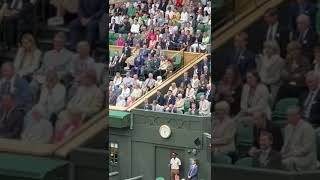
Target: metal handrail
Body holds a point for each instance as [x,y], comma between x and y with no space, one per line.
[168,81]
[233,13]
[113,174]
[134,104]
[135,178]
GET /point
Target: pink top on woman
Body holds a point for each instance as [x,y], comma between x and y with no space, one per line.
[120,41]
[66,131]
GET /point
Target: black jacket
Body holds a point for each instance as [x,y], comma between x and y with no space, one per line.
[172,100]
[273,161]
[308,42]
[275,131]
[245,60]
[315,108]
[160,99]
[281,36]
[115,26]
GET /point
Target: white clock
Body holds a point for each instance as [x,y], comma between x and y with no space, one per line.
[165,131]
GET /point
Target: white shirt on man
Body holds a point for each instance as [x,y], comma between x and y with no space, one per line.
[184,16]
[175,163]
[272,32]
[53,100]
[135,28]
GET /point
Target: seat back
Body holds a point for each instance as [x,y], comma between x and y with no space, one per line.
[244,162]
[244,139]
[282,106]
[199,95]
[220,158]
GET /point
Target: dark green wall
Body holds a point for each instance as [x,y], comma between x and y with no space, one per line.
[143,152]
[123,138]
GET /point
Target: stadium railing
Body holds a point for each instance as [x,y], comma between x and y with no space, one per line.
[168,81]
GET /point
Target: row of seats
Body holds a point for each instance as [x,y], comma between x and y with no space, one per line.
[244,136]
[224,159]
[177,60]
[114,36]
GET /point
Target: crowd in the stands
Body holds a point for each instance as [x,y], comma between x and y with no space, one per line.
[168,23]
[46,95]
[145,29]
[190,94]
[268,100]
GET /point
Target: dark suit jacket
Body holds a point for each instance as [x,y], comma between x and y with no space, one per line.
[196,112]
[116,27]
[206,75]
[170,101]
[203,85]
[308,42]
[202,64]
[209,96]
[275,131]
[274,161]
[113,100]
[126,52]
[197,104]
[163,5]
[193,173]
[174,37]
[126,27]
[309,9]
[245,62]
[25,15]
[315,108]
[118,10]
[160,99]
[282,37]
[138,62]
[93,9]
[182,39]
[186,80]
[22,93]
[191,71]
[130,41]
[11,126]
[147,107]
[199,39]
[173,110]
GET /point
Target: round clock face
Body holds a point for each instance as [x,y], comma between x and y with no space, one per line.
[165,131]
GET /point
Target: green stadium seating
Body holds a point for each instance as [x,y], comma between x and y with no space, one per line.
[198,96]
[179,25]
[131,12]
[220,158]
[244,139]
[179,112]
[205,28]
[125,36]
[280,110]
[113,38]
[186,107]
[177,60]
[200,27]
[244,162]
